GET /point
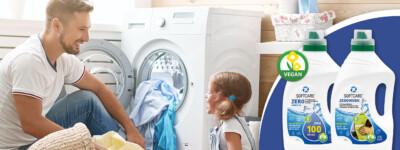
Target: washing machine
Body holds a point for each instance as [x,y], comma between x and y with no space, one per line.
[183,46]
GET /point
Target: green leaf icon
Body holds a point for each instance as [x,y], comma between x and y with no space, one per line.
[288,65]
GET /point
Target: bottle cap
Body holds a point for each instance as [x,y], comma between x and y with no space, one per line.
[314,41]
[362,41]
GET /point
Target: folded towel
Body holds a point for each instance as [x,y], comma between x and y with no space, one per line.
[114,141]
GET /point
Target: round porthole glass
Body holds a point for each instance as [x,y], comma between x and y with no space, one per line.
[168,66]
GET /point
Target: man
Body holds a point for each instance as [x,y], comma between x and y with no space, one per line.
[32,76]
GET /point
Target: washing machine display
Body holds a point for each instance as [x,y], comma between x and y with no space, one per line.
[165,65]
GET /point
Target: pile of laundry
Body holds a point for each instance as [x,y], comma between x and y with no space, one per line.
[153,112]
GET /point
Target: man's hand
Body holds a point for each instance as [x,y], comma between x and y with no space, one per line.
[98,147]
[112,105]
[134,136]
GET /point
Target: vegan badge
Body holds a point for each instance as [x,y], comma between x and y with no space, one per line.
[292,66]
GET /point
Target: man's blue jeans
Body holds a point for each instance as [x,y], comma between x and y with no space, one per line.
[83,106]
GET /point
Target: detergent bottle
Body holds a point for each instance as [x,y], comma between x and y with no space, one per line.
[306,122]
[356,122]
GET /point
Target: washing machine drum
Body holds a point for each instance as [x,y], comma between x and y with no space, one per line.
[165,65]
[109,64]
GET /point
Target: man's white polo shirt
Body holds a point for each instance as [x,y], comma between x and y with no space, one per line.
[26,70]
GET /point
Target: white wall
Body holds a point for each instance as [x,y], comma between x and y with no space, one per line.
[105,11]
[14,32]
[12,9]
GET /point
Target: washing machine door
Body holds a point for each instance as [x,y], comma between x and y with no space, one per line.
[109,64]
[165,65]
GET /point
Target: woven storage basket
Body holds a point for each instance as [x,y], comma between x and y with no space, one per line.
[292,27]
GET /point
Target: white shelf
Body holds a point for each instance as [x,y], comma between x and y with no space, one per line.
[277,47]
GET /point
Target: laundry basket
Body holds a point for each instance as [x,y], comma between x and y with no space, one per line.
[292,27]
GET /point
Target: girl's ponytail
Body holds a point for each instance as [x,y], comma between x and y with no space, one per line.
[237,90]
[226,110]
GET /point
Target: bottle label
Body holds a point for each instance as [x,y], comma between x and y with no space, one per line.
[304,117]
[353,120]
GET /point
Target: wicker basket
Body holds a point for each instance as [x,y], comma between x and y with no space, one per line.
[291,27]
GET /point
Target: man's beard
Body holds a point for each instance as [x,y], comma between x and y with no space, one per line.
[70,49]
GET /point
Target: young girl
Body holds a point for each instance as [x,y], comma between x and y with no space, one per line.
[228,93]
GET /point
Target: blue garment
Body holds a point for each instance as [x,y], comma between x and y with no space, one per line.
[82,106]
[308,6]
[152,98]
[164,132]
